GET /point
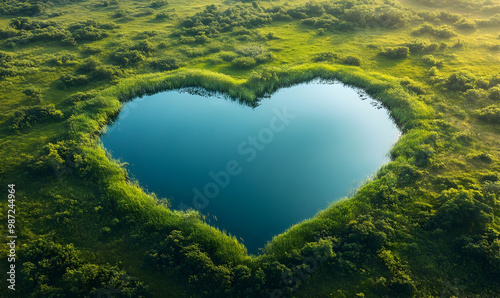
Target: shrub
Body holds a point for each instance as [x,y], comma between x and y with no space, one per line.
[34,94]
[69,80]
[466,25]
[494,93]
[461,81]
[490,115]
[144,46]
[70,275]
[145,12]
[325,56]
[442,32]
[28,116]
[82,96]
[90,50]
[88,33]
[162,16]
[351,60]
[244,62]
[169,63]
[413,86]
[474,95]
[400,52]
[263,58]
[251,50]
[431,60]
[228,56]
[158,3]
[193,52]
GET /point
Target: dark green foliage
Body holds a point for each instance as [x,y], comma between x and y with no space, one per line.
[213,21]
[89,50]
[351,60]
[54,270]
[180,255]
[129,55]
[413,86]
[401,52]
[462,210]
[344,15]
[165,64]
[8,33]
[193,52]
[490,114]
[244,62]
[21,7]
[95,71]
[422,47]
[431,60]
[482,250]
[461,81]
[89,31]
[126,57]
[325,56]
[29,31]
[7,67]
[441,32]
[491,22]
[465,24]
[69,80]
[29,116]
[29,24]
[107,3]
[163,16]
[158,3]
[494,93]
[82,96]
[34,94]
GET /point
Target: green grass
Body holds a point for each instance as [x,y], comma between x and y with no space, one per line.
[427,225]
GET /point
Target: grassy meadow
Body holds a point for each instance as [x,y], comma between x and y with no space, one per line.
[427,225]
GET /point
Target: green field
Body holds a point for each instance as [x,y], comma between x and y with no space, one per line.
[427,225]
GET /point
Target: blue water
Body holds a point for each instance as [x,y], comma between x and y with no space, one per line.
[253,171]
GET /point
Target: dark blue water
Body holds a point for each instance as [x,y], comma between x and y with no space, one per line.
[253,172]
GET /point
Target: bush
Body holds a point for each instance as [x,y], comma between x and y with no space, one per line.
[401,52]
[251,50]
[28,116]
[90,50]
[351,60]
[466,25]
[158,3]
[413,86]
[71,276]
[82,96]
[128,55]
[442,32]
[461,81]
[228,56]
[490,115]
[325,56]
[494,93]
[431,60]
[162,16]
[474,95]
[34,94]
[165,64]
[69,80]
[244,62]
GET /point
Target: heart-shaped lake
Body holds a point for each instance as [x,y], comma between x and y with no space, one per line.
[254,171]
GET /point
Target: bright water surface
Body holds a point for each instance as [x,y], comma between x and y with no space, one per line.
[253,171]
